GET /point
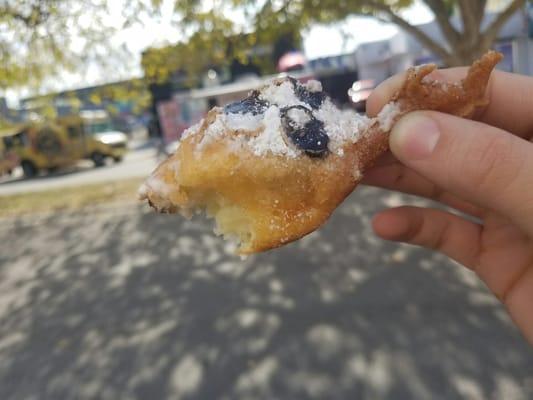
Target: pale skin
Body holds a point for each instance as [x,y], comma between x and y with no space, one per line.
[484,170]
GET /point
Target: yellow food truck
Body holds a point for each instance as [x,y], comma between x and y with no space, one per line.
[46,146]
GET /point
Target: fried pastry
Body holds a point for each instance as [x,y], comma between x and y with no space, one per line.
[273,167]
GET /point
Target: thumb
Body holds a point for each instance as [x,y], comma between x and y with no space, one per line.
[479,163]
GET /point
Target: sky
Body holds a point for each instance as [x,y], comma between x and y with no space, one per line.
[319,41]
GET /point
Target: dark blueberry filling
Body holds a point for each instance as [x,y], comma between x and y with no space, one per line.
[314,99]
[251,104]
[311,138]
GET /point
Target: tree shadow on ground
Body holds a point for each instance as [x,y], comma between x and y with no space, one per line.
[124,304]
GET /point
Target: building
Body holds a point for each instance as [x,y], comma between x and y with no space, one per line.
[378,60]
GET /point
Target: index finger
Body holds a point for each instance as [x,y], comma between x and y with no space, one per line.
[510,98]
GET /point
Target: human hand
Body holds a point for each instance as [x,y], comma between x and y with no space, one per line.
[483,169]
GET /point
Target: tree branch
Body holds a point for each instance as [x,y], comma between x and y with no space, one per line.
[442,17]
[418,34]
[479,12]
[490,34]
[470,28]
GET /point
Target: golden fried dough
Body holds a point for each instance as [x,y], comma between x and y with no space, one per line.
[273,167]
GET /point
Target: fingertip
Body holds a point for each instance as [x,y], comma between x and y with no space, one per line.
[382,94]
[392,224]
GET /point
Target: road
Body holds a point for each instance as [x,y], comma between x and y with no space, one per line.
[120,303]
[137,163]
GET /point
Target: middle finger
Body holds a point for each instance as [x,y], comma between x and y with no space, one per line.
[391,174]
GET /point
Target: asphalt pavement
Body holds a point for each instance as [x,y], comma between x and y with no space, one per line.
[120,303]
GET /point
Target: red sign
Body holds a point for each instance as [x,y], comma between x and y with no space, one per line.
[169,120]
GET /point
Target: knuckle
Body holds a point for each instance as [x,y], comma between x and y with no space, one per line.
[398,176]
[441,237]
[437,193]
[436,239]
[423,232]
[489,164]
[416,224]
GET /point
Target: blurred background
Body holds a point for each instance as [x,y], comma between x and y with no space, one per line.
[102,299]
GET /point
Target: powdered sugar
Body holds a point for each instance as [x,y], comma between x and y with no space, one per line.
[213,131]
[246,122]
[342,126]
[388,115]
[298,116]
[313,86]
[265,133]
[142,192]
[281,95]
[268,140]
[271,139]
[191,131]
[156,185]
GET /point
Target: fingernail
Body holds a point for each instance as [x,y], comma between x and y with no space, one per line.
[414,137]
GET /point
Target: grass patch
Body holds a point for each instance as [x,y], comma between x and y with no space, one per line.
[69,198]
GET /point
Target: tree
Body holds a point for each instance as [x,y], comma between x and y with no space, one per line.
[462,44]
[40,38]
[215,42]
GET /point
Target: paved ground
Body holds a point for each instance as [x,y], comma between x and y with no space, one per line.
[124,304]
[137,163]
